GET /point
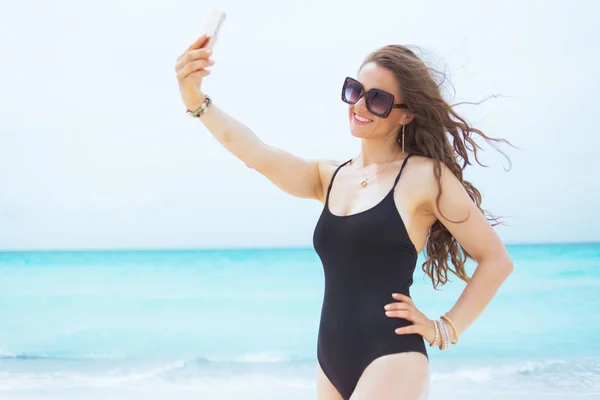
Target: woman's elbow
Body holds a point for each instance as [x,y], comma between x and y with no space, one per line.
[509,266]
[505,265]
[499,264]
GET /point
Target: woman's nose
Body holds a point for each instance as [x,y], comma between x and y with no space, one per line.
[361,103]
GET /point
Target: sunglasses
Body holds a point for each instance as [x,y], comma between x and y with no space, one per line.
[379,102]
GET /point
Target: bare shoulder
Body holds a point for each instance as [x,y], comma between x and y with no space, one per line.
[422,179]
[423,169]
[419,169]
[326,169]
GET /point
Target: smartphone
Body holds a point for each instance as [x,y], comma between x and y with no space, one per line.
[213,25]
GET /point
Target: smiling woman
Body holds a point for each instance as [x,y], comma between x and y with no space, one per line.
[403,193]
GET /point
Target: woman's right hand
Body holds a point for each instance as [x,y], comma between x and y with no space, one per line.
[191,69]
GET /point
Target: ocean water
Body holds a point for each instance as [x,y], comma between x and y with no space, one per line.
[242,324]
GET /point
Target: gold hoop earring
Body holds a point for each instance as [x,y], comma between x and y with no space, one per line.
[403,138]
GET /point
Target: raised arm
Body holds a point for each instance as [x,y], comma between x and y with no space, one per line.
[292,174]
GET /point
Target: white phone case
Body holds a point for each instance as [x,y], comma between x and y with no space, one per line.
[213,25]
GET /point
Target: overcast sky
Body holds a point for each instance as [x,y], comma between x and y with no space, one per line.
[96,150]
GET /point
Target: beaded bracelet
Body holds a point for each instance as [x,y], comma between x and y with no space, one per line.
[203,106]
[444,345]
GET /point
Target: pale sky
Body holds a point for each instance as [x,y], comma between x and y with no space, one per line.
[96,150]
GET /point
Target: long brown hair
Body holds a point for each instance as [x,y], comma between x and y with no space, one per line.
[439,133]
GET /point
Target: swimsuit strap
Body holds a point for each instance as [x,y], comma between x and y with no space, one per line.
[332,178]
[401,168]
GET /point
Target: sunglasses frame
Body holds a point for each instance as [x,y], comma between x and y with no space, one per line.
[389,108]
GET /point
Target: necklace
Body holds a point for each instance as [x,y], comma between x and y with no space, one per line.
[365,181]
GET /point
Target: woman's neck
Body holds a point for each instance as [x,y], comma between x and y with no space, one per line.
[380,151]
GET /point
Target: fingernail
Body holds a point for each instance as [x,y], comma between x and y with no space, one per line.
[395,294]
[388,313]
[387,307]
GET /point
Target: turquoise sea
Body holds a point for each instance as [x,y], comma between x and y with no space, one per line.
[242,324]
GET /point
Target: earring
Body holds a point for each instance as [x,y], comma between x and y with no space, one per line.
[403,138]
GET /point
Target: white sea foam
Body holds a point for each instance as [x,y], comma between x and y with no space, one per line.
[252,358]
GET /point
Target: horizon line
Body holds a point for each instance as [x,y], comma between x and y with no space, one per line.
[245,248]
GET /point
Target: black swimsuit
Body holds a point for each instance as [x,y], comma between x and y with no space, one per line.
[366,257]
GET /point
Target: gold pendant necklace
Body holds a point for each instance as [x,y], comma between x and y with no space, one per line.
[365,181]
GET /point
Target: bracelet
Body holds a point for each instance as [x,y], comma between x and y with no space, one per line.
[203,106]
[441,335]
[456,335]
[437,334]
[444,345]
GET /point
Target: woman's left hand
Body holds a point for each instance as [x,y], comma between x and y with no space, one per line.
[405,308]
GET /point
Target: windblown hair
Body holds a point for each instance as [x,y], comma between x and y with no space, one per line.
[439,133]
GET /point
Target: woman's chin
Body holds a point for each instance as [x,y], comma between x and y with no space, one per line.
[356,131]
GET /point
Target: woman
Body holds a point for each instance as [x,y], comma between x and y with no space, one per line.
[403,192]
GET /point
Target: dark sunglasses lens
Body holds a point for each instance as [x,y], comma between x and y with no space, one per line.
[379,102]
[352,92]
